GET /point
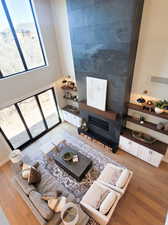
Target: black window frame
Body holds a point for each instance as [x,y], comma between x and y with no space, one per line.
[18,46]
[47,129]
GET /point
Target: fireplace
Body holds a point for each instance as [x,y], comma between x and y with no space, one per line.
[98,123]
[102,125]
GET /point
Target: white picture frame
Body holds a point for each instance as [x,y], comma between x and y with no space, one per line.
[96,92]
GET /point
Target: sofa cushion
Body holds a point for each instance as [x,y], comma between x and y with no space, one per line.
[41,205]
[110,174]
[49,184]
[24,184]
[95,195]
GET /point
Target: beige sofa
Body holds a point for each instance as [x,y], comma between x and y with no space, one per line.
[93,194]
[114,179]
[32,196]
[121,183]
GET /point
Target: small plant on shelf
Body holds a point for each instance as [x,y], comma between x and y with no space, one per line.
[161,106]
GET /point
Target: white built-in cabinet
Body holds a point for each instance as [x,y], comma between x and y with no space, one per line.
[72,118]
[140,151]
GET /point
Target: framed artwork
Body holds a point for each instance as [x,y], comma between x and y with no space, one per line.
[96,92]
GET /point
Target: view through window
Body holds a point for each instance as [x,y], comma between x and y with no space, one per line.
[20,45]
[27,120]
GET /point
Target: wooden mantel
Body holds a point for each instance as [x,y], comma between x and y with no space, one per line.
[106,114]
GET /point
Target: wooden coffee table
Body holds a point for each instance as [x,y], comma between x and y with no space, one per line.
[76,169]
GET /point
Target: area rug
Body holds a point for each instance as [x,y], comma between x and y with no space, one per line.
[3,218]
[99,161]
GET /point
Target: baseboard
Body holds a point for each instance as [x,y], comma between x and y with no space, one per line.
[4,162]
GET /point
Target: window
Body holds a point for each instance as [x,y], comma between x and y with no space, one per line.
[27,120]
[20,45]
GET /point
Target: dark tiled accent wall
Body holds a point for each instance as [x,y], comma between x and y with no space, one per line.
[104,36]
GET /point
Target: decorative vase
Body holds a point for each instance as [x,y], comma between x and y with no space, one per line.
[67,214]
[158,110]
[16,156]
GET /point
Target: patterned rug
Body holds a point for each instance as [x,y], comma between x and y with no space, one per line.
[99,160]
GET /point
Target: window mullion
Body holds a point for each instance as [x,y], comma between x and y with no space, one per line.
[14,34]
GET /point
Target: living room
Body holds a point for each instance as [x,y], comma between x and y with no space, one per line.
[83,112]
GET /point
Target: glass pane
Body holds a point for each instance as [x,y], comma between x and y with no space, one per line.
[47,103]
[23,21]
[32,116]
[10,61]
[13,127]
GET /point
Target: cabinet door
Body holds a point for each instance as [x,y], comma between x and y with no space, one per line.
[134,149]
[143,153]
[65,115]
[155,158]
[125,144]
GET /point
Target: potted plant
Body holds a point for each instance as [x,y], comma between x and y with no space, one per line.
[159,107]
[165,106]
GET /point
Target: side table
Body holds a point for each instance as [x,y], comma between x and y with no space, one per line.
[83,217]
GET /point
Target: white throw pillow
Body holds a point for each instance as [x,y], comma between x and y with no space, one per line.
[61,204]
[107,203]
[123,178]
[25,171]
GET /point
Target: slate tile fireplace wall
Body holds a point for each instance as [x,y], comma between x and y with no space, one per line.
[104,36]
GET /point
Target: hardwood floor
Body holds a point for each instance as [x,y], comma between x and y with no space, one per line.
[145,202]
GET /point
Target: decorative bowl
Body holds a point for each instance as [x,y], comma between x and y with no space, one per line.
[70,214]
[141,101]
[158,110]
[143,137]
[68,156]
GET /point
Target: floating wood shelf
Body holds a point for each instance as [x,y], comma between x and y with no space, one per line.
[140,109]
[157,146]
[106,114]
[146,124]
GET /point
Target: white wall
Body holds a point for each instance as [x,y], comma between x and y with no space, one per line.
[18,87]
[152,57]
[152,60]
[63,37]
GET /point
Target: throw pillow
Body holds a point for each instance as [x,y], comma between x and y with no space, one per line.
[34,176]
[107,203]
[52,203]
[61,204]
[123,178]
[102,197]
[25,170]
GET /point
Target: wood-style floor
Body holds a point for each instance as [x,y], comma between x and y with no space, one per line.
[145,202]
